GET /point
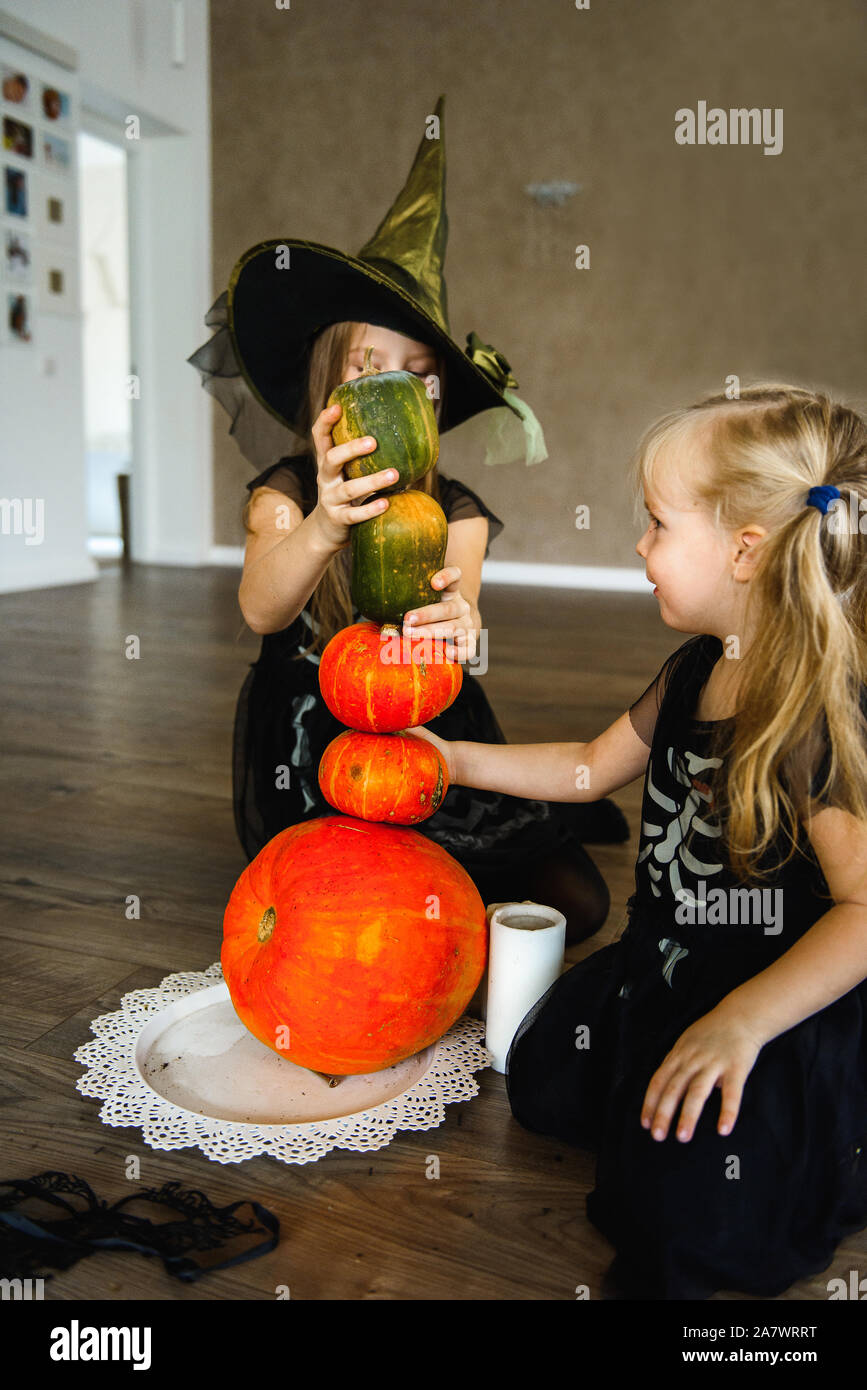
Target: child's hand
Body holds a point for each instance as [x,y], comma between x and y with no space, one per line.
[446,748]
[452,617]
[334,511]
[715,1051]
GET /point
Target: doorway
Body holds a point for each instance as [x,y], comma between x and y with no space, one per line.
[105,308]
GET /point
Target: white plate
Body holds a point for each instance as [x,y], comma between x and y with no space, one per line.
[199,1055]
[177,1063]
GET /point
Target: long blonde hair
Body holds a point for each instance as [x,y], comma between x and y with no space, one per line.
[331,601]
[800,691]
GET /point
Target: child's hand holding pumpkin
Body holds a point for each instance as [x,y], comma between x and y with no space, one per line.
[453,618]
[336,511]
[446,748]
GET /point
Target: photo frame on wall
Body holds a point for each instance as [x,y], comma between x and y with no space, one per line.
[16,192]
[17,255]
[55,213]
[58,282]
[55,105]
[17,137]
[56,153]
[16,87]
[17,316]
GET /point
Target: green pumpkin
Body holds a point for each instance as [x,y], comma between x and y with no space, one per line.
[394,408]
[395,556]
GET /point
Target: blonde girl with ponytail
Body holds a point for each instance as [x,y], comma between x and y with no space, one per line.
[742,968]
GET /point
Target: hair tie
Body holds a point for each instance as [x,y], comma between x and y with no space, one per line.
[822,497]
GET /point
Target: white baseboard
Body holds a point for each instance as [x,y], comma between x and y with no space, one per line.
[226,555]
[105,547]
[611,577]
[621,580]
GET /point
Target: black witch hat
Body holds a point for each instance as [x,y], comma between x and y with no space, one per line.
[284,291]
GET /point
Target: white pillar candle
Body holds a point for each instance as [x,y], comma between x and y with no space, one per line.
[527,944]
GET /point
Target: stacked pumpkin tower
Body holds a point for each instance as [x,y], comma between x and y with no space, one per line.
[371,771]
[352,942]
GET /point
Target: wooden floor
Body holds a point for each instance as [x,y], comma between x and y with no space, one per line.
[117,782]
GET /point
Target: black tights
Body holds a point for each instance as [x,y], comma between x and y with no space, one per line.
[566,879]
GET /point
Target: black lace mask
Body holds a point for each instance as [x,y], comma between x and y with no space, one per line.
[39,1227]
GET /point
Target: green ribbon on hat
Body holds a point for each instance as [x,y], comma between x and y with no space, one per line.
[490,361]
[505,443]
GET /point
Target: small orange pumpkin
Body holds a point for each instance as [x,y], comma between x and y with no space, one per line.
[382,683]
[395,778]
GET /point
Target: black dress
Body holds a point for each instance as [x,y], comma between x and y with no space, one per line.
[768,1203]
[282,721]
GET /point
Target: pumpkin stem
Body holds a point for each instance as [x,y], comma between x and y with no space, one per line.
[389,630]
[367,369]
[332,1080]
[267,924]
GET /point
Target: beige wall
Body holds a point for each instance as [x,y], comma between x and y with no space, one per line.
[705,261]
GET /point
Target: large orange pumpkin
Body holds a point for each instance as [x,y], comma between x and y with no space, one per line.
[399,779]
[349,946]
[382,684]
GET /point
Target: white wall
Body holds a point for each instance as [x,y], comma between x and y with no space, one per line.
[105,326]
[104,288]
[122,52]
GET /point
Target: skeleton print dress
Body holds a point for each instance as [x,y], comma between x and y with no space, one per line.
[768,1203]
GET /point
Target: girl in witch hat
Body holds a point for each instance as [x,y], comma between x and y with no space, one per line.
[294,323]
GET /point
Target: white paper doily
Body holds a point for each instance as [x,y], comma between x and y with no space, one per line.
[115,1076]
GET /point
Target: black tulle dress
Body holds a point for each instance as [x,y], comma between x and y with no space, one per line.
[768,1203]
[282,720]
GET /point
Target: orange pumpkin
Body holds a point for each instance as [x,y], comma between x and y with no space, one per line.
[382,684]
[349,946]
[399,779]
